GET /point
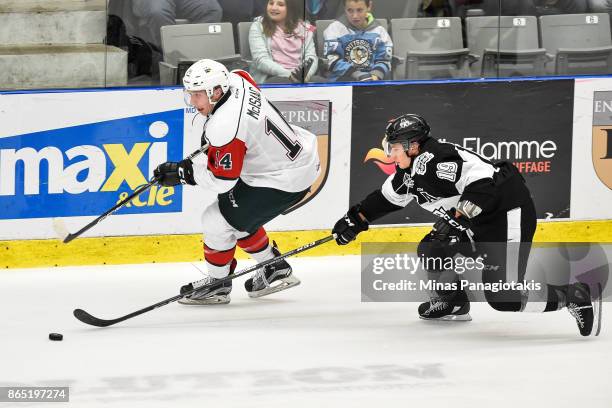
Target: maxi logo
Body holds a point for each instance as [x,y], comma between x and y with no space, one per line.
[126,166]
[86,169]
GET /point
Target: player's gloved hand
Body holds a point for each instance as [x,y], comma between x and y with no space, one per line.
[450,227]
[348,227]
[172,173]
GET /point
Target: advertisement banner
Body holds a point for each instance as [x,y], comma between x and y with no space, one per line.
[315,117]
[526,122]
[76,154]
[86,169]
[326,112]
[592,149]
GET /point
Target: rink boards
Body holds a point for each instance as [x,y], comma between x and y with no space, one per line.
[72,155]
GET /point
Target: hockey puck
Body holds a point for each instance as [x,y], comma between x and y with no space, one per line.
[55,336]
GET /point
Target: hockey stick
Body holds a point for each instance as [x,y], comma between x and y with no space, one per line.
[117,206]
[66,237]
[86,318]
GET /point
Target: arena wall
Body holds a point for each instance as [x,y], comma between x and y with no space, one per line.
[72,155]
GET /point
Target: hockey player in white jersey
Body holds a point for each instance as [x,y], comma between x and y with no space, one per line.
[258,165]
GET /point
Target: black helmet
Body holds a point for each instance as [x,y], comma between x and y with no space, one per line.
[405,129]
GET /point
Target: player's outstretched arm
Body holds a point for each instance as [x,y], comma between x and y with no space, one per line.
[350,225]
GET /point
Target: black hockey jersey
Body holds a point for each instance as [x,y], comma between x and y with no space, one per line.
[438,178]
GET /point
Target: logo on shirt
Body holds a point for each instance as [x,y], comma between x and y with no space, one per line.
[423,196]
[254,108]
[420,163]
[359,52]
[408,181]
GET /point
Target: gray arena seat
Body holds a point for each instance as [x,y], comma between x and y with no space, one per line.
[580,43]
[389,9]
[519,52]
[243,40]
[433,48]
[187,43]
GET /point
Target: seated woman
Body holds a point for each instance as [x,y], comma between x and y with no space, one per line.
[282,44]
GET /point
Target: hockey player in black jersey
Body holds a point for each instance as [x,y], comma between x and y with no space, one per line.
[483,208]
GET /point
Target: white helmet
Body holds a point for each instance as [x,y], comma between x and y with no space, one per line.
[206,75]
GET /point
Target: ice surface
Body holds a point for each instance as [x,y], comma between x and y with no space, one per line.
[315,345]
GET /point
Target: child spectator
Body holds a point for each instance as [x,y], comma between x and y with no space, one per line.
[357,47]
[282,44]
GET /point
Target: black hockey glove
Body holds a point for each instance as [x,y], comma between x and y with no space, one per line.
[449,227]
[172,173]
[348,227]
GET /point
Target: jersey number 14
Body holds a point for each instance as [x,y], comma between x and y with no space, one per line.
[225,162]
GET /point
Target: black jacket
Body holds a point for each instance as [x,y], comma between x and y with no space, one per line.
[444,174]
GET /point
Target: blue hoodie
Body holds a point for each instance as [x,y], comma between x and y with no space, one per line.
[356,54]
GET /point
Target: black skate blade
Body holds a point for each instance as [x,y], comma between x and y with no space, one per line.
[449,318]
[597,310]
[285,283]
[212,301]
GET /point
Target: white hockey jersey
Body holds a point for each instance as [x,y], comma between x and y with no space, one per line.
[250,139]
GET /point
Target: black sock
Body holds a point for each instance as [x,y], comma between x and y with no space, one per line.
[556,298]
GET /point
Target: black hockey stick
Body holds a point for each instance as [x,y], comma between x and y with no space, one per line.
[86,318]
[67,237]
[117,206]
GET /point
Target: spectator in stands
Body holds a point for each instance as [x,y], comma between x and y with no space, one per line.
[600,6]
[153,14]
[237,11]
[322,9]
[282,44]
[357,47]
[544,7]
[435,8]
[535,7]
[460,8]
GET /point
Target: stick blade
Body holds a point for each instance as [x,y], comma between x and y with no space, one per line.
[69,238]
[60,229]
[86,318]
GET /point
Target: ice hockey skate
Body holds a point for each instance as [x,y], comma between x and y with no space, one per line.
[272,278]
[214,295]
[454,306]
[586,312]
